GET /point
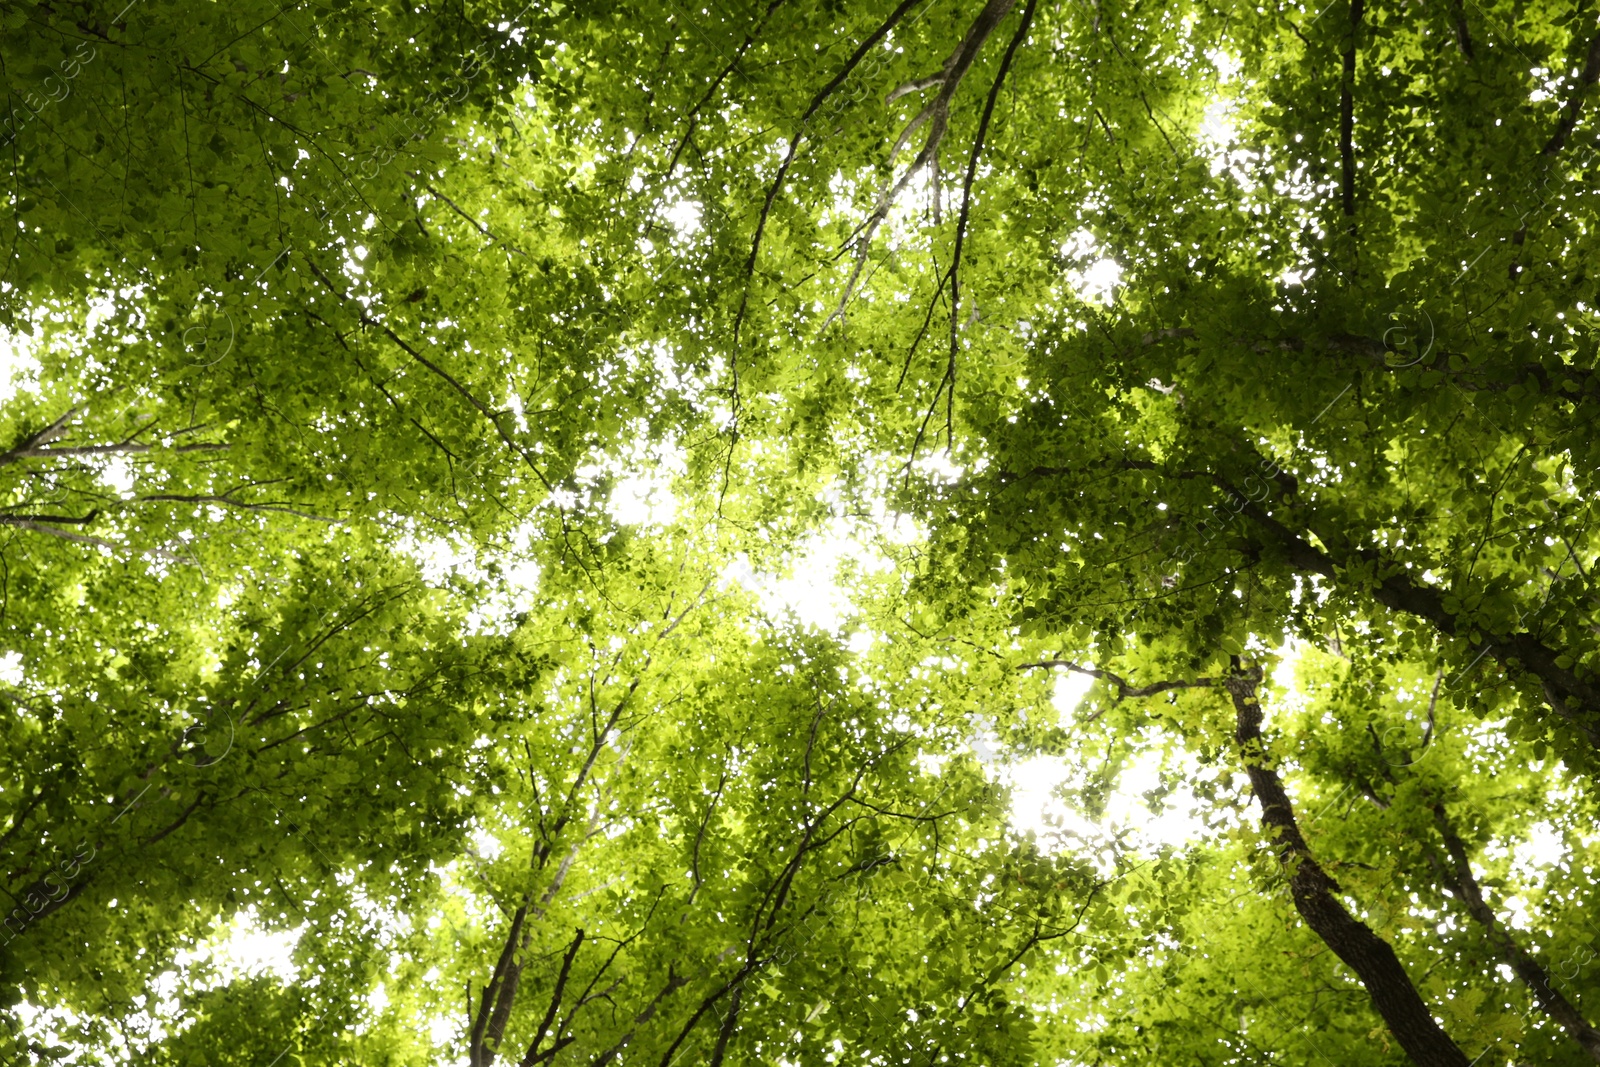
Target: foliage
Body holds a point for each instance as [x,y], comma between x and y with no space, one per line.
[574,519]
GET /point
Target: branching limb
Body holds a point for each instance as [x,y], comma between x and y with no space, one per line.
[817,101]
[966,208]
[716,83]
[674,983]
[730,1022]
[1124,689]
[122,448]
[927,320]
[455,384]
[821,97]
[65,535]
[706,1005]
[922,428]
[1527,969]
[811,743]
[60,520]
[936,117]
[916,86]
[483,409]
[30,442]
[1572,697]
[699,837]
[533,1056]
[480,227]
[478,1055]
[1316,897]
[1569,114]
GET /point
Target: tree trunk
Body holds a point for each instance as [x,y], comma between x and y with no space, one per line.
[1363,951]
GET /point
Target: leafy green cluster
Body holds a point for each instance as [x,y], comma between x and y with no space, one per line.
[572,519]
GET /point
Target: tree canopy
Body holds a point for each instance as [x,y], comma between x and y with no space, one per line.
[794,532]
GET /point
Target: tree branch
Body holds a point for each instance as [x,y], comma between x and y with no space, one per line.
[735,403]
[817,101]
[729,1023]
[466,394]
[675,982]
[26,445]
[1347,116]
[65,535]
[190,810]
[1527,969]
[1124,689]
[1314,893]
[1515,651]
[477,1054]
[966,207]
[122,448]
[716,83]
[936,116]
[1463,36]
[63,520]
[533,1056]
[1569,114]
[480,227]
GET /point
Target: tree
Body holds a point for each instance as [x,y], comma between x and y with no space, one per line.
[415,408]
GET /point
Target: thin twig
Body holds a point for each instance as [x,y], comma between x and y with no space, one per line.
[1124,688]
